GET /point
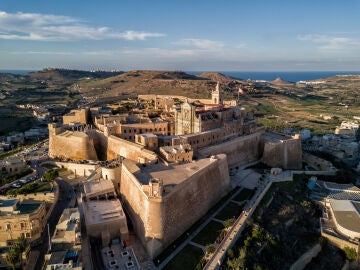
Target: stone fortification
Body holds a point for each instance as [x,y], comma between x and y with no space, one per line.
[94,145]
[75,145]
[282,151]
[129,150]
[77,116]
[239,151]
[162,209]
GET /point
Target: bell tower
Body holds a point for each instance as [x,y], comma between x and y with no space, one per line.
[217,96]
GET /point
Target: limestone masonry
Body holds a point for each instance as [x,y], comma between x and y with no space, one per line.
[171,168]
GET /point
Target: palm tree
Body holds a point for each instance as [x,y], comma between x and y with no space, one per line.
[21,244]
[13,256]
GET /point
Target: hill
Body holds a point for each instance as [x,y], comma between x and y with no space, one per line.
[158,82]
[216,76]
[69,75]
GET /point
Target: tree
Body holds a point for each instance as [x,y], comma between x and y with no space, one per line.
[239,262]
[50,175]
[229,222]
[350,253]
[13,256]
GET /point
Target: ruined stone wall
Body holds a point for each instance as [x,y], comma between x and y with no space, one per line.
[77,146]
[159,221]
[239,151]
[286,154]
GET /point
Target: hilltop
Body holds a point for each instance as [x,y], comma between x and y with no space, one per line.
[158,82]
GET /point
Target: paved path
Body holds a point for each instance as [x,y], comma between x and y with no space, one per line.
[191,236]
[198,245]
[60,205]
[238,227]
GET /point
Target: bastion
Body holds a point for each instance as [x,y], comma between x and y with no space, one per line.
[164,201]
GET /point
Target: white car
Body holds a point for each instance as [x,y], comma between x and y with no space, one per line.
[15,185]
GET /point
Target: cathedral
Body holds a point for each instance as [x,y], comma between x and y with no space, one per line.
[191,119]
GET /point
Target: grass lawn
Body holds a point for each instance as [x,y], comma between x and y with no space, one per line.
[209,234]
[48,166]
[244,195]
[187,258]
[163,255]
[42,188]
[229,211]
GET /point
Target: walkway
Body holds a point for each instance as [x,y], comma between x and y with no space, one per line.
[239,225]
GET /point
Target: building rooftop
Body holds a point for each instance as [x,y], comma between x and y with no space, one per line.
[346,214]
[27,208]
[57,257]
[97,212]
[148,135]
[100,185]
[8,202]
[172,174]
[124,259]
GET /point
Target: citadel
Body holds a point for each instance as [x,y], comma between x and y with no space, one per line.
[172,168]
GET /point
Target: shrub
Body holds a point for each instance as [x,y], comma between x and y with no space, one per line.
[350,253]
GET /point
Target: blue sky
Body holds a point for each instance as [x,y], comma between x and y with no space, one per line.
[204,35]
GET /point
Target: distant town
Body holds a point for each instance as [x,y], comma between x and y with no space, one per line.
[172,181]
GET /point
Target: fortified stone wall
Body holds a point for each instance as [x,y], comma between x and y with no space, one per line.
[286,154]
[74,145]
[79,116]
[159,221]
[239,151]
[191,199]
[77,169]
[133,151]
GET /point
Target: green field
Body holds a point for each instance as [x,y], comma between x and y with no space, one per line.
[187,258]
[209,233]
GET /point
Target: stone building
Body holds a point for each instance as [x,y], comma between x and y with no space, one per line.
[21,219]
[149,140]
[99,189]
[105,220]
[177,153]
[67,233]
[12,165]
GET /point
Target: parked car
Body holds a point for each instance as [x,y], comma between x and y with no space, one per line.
[16,185]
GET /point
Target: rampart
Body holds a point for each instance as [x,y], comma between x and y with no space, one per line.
[129,150]
[94,145]
[75,145]
[282,152]
[160,220]
[77,116]
[76,168]
[239,151]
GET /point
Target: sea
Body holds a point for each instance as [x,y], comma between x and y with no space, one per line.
[290,76]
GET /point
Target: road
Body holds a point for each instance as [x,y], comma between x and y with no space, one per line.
[61,204]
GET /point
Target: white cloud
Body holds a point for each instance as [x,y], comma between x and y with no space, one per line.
[331,43]
[204,44]
[151,52]
[43,52]
[44,27]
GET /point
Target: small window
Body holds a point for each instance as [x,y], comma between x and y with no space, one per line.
[8,226]
[27,235]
